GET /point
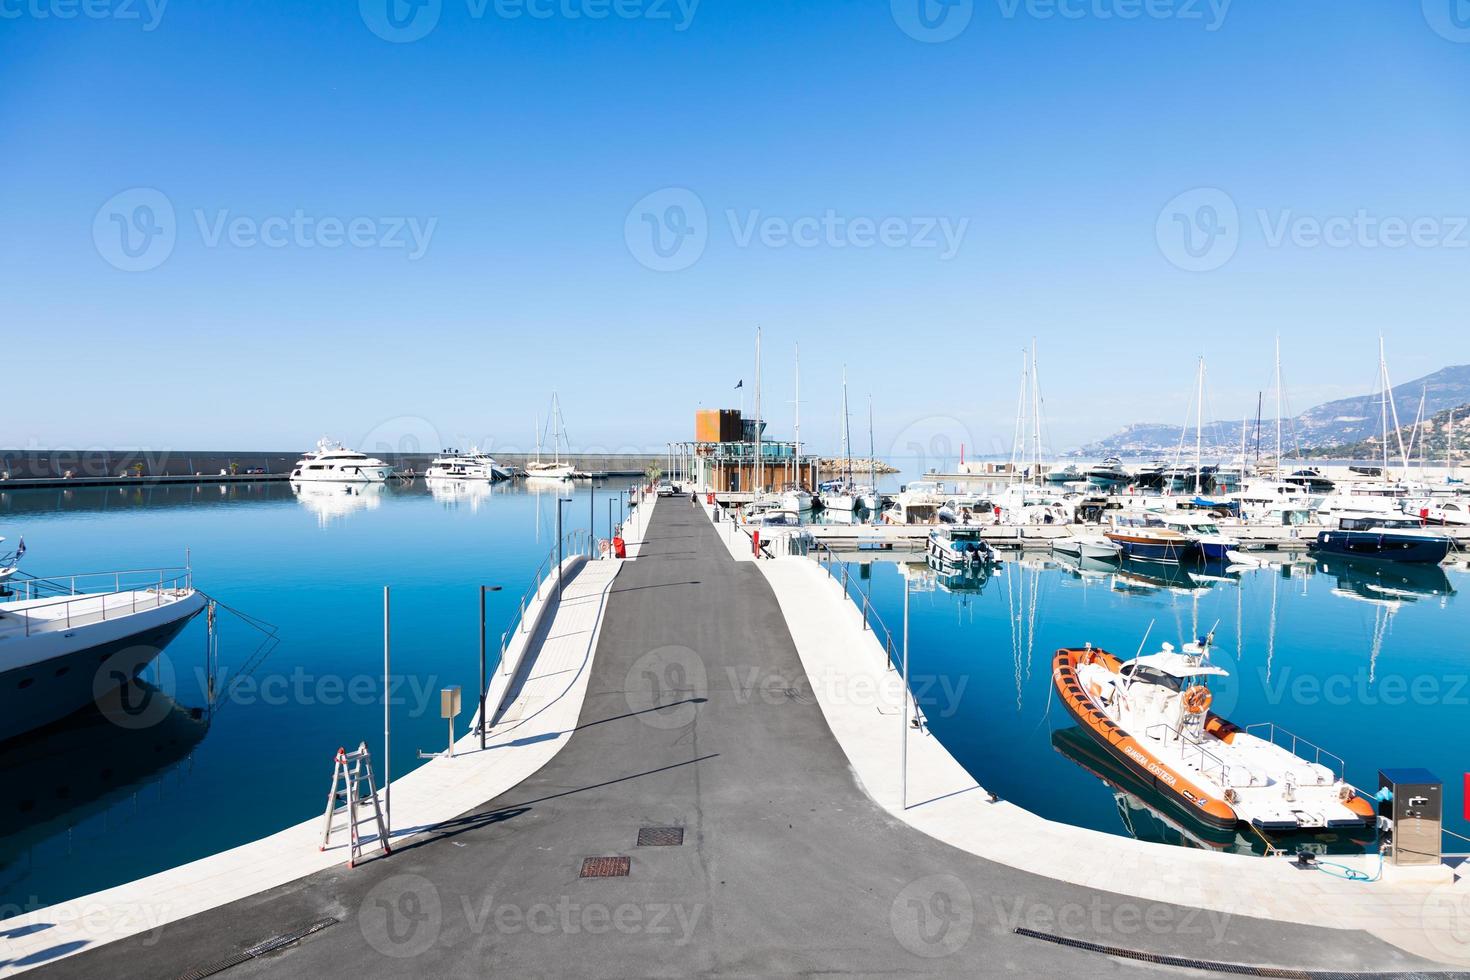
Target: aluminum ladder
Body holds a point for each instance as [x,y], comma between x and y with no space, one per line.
[352,772]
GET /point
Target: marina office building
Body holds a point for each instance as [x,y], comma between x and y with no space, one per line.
[730,454]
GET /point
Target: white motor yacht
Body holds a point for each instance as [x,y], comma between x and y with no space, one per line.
[331,462]
[67,641]
[1094,546]
[10,561]
[472,465]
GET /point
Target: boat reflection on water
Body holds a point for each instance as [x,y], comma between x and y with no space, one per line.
[966,581]
[1386,582]
[333,501]
[1132,575]
[58,776]
[453,492]
[1147,815]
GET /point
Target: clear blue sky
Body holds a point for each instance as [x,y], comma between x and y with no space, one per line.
[1060,140]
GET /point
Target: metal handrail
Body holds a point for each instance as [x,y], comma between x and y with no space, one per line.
[1204,753]
[866,609]
[1296,740]
[64,596]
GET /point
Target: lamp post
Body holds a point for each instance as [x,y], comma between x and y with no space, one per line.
[483,721]
[560,500]
[387,724]
[904,755]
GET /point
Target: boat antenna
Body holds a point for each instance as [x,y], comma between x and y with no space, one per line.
[1141,645]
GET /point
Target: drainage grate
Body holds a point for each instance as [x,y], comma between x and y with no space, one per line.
[1189,963]
[258,950]
[606,867]
[660,836]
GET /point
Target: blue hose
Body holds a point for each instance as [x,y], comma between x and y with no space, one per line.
[1350,874]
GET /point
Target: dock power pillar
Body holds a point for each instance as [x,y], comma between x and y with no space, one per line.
[1414,807]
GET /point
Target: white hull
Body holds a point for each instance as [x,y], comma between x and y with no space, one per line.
[797,500]
[844,502]
[549,471]
[61,653]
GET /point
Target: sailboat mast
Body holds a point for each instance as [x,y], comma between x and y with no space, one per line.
[846,422]
[797,464]
[1035,418]
[1018,440]
[1278,406]
[873,459]
[759,462]
[1199,426]
[1383,401]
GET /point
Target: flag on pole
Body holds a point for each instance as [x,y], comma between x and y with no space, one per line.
[740,384]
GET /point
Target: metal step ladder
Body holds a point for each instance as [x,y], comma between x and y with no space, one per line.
[352,773]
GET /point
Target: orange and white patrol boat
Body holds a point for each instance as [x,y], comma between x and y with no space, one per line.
[1152,714]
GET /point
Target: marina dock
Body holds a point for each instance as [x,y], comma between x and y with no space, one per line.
[693,768]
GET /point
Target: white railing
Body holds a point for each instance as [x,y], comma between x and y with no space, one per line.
[1207,759]
[66,593]
[1277,736]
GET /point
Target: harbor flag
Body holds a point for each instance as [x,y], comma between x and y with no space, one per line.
[740,384]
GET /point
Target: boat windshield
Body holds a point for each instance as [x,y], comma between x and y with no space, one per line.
[1144,674]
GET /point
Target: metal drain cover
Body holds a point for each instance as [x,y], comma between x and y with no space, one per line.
[660,836]
[606,867]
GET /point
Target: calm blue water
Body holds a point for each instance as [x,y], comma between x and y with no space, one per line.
[1370,664]
[92,805]
[1373,668]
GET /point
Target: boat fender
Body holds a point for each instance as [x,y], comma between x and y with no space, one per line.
[1197,700]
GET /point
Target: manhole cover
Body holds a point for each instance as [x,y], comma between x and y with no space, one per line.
[605,867]
[660,836]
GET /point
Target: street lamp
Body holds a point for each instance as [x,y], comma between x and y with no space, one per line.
[484,723]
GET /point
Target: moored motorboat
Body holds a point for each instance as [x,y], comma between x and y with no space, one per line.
[1109,475]
[1094,546]
[1152,715]
[63,646]
[1144,537]
[10,561]
[1202,530]
[959,547]
[797,499]
[331,462]
[1380,538]
[472,465]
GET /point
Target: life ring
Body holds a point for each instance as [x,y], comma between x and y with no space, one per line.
[1197,700]
[603,547]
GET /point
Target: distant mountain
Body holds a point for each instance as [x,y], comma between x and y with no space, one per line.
[1342,423]
[1438,440]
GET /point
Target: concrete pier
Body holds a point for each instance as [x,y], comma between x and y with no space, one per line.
[736,818]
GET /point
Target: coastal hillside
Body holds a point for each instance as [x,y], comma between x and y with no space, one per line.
[1444,436]
[1333,426]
